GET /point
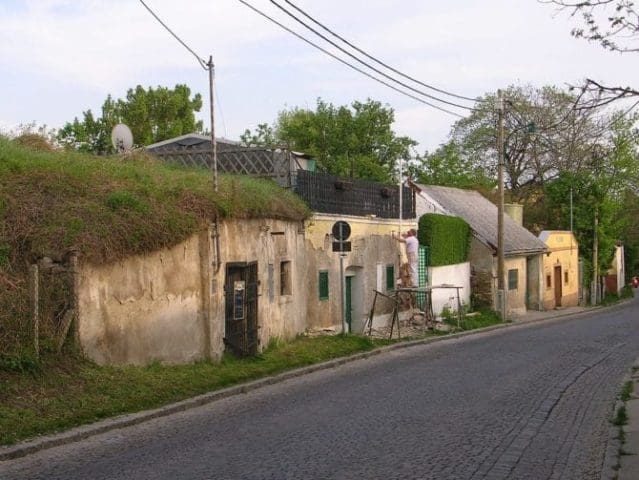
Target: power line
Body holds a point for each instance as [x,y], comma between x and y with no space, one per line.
[200,60]
[445,92]
[357,69]
[219,107]
[354,57]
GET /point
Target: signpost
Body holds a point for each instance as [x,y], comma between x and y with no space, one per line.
[341,232]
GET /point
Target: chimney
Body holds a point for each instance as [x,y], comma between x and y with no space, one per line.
[515,211]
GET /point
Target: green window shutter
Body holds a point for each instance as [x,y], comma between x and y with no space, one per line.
[390,277]
[323,285]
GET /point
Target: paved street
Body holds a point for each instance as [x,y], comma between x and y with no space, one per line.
[522,403]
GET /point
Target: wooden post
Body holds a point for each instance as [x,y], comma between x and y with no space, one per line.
[500,206]
[35,304]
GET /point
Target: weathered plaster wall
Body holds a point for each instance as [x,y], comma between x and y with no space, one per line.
[144,308]
[269,242]
[170,305]
[372,250]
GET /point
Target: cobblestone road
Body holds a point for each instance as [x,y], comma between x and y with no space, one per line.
[523,403]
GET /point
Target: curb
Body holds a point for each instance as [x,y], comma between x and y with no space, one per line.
[613,466]
[80,433]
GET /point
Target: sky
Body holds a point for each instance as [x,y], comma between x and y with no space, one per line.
[61,57]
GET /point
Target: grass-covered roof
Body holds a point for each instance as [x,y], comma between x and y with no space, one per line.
[108,207]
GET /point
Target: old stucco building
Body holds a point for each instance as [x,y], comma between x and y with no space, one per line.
[243,282]
[561,269]
[522,250]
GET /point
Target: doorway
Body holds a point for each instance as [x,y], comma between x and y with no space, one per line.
[240,295]
[558,291]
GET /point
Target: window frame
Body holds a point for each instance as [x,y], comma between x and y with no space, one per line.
[286,283]
[513,279]
[323,295]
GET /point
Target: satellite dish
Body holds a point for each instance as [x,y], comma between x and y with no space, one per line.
[121,138]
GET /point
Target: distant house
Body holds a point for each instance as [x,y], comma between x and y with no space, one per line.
[522,250]
[194,150]
[561,269]
[615,277]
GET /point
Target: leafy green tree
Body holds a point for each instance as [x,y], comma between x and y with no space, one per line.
[543,135]
[448,166]
[355,140]
[152,114]
[603,191]
[264,136]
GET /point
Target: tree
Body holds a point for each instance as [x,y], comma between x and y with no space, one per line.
[602,190]
[544,134]
[355,140]
[153,115]
[614,24]
[449,167]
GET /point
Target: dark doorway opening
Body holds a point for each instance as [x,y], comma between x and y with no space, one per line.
[240,293]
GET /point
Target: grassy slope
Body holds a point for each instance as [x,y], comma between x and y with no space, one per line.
[108,208]
[72,391]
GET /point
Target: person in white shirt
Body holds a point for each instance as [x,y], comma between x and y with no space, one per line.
[412,247]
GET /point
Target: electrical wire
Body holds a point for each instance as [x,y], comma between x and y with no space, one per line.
[357,59]
[219,108]
[200,60]
[371,57]
[357,69]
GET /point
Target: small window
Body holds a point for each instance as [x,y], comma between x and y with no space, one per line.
[323,285]
[285,278]
[513,279]
[548,281]
[390,277]
[566,277]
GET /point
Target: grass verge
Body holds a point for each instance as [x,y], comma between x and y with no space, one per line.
[70,391]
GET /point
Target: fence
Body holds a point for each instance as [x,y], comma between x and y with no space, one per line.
[275,164]
[330,194]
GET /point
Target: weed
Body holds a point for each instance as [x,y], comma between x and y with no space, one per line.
[621,418]
[626,391]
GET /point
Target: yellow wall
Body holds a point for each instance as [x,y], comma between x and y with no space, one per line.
[516,298]
[564,253]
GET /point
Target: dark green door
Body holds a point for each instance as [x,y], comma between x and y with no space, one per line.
[348,303]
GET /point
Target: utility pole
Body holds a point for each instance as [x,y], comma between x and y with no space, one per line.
[501,293]
[594,296]
[211,68]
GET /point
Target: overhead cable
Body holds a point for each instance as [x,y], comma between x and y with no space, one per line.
[200,60]
[376,70]
[380,62]
[357,69]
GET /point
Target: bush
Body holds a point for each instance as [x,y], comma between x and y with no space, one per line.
[447,238]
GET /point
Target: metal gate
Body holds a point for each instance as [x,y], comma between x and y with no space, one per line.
[240,290]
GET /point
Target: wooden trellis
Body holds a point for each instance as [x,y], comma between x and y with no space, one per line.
[275,164]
